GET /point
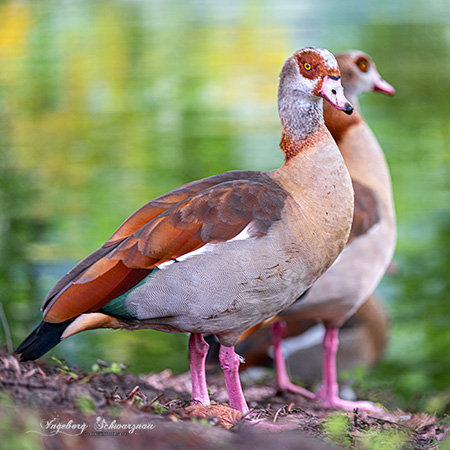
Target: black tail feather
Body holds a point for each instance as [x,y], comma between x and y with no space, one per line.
[43,338]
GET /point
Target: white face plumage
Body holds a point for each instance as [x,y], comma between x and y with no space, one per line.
[328,57]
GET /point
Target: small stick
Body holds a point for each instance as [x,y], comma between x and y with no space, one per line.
[156,398]
[276,414]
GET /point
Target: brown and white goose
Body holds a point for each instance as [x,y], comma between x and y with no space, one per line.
[221,254]
[357,272]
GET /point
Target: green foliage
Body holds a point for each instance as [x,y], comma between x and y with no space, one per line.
[114,367]
[63,368]
[158,408]
[114,411]
[201,420]
[337,428]
[5,399]
[445,445]
[14,427]
[339,431]
[86,405]
[355,375]
[382,440]
[438,404]
[20,230]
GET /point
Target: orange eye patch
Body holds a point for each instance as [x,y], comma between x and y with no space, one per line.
[312,66]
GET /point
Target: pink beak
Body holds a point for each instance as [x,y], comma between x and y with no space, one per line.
[333,92]
[383,86]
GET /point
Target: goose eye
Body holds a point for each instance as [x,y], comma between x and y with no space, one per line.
[363,66]
[307,66]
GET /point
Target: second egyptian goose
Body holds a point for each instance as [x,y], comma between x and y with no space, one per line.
[362,341]
[224,253]
[357,272]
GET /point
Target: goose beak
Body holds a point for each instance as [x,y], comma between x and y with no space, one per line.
[383,86]
[333,92]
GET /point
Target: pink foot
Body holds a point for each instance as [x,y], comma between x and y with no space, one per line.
[329,394]
[229,361]
[198,350]
[283,381]
[348,405]
[294,389]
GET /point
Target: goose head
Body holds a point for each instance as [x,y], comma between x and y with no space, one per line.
[360,74]
[309,75]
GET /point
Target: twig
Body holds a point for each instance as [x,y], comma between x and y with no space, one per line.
[6,328]
[241,420]
[276,414]
[156,398]
[381,421]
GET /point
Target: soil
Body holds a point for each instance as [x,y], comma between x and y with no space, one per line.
[67,408]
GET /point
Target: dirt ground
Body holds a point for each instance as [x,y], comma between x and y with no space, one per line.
[56,406]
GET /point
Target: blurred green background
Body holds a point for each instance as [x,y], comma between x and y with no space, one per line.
[107,104]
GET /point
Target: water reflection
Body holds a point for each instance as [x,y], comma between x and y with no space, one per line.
[109,104]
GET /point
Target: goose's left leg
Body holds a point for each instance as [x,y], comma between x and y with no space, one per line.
[198,349]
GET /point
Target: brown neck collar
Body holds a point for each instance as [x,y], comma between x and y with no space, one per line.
[292,145]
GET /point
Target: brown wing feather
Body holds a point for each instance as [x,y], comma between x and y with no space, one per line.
[141,217]
[215,214]
[366,213]
[160,204]
[80,298]
[74,273]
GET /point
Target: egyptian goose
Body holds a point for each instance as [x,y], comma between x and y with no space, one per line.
[357,272]
[224,253]
[362,341]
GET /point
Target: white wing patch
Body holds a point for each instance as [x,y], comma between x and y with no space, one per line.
[244,234]
[166,264]
[199,251]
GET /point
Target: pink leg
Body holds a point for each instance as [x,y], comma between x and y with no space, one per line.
[329,394]
[229,362]
[283,381]
[198,350]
